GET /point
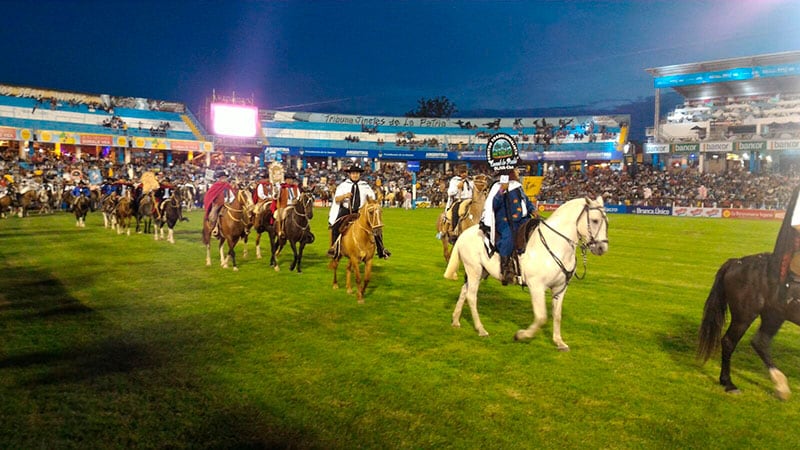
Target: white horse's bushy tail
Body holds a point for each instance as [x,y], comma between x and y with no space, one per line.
[451,273]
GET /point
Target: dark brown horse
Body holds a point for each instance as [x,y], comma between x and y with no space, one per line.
[263,222]
[234,222]
[297,230]
[144,213]
[358,245]
[81,209]
[748,288]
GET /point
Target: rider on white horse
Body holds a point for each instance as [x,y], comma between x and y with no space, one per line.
[506,210]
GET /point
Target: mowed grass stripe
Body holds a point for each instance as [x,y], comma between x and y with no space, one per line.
[112,341]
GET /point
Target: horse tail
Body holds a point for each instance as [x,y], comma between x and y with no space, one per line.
[451,273]
[714,315]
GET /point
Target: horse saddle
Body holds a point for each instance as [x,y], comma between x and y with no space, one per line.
[524,233]
[344,222]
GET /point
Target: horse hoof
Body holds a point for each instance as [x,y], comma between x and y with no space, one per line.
[235,269]
[277,269]
[456,324]
[335,286]
[733,391]
[483,334]
[564,348]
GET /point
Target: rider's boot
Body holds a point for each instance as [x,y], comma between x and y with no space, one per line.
[507,270]
[382,252]
[332,249]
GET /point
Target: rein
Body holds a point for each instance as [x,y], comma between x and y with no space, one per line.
[584,245]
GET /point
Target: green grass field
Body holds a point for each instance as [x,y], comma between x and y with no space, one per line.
[121,341]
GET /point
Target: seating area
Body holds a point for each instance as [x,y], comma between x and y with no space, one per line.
[734,118]
[318,130]
[42,109]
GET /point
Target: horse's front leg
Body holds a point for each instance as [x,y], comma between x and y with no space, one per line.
[258,245]
[294,256]
[299,256]
[539,313]
[770,324]
[223,260]
[232,253]
[558,303]
[352,265]
[363,285]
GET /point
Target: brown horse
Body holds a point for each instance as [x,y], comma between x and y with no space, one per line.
[358,245]
[6,203]
[297,230]
[123,214]
[263,221]
[472,210]
[81,209]
[234,222]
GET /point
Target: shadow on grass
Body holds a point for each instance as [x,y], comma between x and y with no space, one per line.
[59,351]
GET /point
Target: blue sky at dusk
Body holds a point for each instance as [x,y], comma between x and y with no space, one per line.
[380,57]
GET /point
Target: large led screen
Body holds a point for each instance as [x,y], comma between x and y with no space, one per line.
[234,120]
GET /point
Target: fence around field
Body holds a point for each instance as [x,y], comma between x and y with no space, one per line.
[685,211]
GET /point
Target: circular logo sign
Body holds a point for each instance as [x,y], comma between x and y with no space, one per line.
[502,152]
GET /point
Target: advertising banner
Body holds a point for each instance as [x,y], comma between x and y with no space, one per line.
[746,146]
[8,133]
[187,146]
[763,214]
[95,139]
[651,148]
[688,211]
[686,148]
[717,147]
[651,210]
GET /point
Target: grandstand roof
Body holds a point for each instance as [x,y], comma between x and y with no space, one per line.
[734,88]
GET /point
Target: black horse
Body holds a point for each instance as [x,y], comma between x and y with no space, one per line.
[749,288]
[297,230]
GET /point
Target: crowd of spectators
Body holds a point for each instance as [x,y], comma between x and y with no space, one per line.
[687,187]
[645,186]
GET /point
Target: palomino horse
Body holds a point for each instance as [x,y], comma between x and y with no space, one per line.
[123,214]
[748,288]
[471,215]
[297,230]
[144,213]
[170,215]
[234,222]
[549,262]
[81,209]
[358,245]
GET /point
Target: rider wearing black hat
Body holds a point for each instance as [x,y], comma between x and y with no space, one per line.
[348,198]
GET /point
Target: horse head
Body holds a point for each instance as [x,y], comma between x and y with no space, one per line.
[372,214]
[481,182]
[592,225]
[305,205]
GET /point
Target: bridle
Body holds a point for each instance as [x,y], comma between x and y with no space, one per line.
[582,241]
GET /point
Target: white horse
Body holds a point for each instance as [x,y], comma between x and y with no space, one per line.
[549,262]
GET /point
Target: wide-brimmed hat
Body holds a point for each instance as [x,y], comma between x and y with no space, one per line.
[221,173]
[354,168]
